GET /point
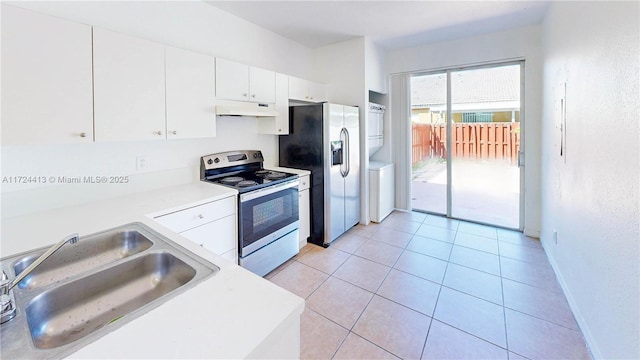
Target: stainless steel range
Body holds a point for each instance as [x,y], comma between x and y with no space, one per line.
[267,207]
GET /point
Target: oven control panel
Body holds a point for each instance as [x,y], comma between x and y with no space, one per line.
[231,158]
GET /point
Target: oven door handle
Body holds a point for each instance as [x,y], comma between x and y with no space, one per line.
[268,190]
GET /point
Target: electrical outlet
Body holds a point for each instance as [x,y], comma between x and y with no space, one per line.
[141,163]
[555,236]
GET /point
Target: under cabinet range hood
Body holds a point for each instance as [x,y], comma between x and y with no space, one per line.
[244,108]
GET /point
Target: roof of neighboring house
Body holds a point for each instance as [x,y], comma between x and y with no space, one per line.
[482,86]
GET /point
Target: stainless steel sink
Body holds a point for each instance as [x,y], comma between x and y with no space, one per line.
[93,251]
[72,311]
[79,300]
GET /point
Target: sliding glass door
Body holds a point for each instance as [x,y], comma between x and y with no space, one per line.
[429,176]
[465,144]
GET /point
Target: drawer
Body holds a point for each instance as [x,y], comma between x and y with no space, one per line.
[190,218]
[305,182]
[218,236]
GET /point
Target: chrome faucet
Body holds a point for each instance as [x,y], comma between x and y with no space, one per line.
[72,239]
[7,302]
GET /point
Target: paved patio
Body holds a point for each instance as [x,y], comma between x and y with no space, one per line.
[486,191]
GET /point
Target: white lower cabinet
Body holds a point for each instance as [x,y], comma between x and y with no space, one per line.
[304,205]
[212,226]
[218,236]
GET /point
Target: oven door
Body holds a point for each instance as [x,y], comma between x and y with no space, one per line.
[267,214]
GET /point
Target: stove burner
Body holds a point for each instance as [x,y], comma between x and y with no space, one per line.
[244,175]
[276,175]
[232,180]
[268,174]
[245,183]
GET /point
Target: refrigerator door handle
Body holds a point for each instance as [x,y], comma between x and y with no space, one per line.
[347,152]
[344,153]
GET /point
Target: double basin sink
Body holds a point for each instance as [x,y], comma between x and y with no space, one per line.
[89,288]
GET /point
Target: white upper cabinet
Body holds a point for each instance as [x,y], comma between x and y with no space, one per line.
[190,82]
[232,80]
[298,89]
[129,87]
[236,81]
[317,92]
[305,90]
[278,125]
[46,79]
[262,85]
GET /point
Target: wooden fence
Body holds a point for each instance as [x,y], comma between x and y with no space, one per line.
[469,140]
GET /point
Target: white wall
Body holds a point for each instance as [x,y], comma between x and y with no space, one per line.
[351,68]
[169,163]
[523,43]
[191,25]
[341,66]
[591,197]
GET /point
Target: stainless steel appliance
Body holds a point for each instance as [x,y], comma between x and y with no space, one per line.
[325,139]
[267,207]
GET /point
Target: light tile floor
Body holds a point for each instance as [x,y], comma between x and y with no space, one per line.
[485,190]
[420,286]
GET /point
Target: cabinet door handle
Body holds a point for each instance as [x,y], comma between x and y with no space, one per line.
[244,95]
[174,132]
[253,96]
[158,132]
[83,134]
[200,216]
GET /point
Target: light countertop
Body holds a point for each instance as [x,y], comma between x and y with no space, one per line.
[299,172]
[228,315]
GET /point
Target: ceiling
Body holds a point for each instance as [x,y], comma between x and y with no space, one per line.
[391,24]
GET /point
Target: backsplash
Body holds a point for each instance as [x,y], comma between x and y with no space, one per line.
[64,175]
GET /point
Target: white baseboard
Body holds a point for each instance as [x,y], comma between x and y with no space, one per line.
[582,324]
[534,233]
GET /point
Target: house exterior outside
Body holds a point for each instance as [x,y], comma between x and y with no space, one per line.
[484,95]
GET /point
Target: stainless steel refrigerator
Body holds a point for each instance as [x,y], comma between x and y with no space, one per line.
[325,139]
